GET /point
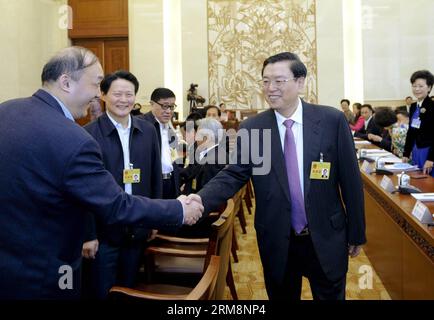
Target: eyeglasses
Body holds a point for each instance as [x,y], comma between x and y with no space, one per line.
[276,83]
[170,107]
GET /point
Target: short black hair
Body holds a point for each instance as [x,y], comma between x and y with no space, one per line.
[211,107]
[346,100]
[403,112]
[297,67]
[71,60]
[162,93]
[367,105]
[385,117]
[423,74]
[120,74]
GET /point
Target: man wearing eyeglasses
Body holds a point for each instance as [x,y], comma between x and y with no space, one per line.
[307,222]
[163,104]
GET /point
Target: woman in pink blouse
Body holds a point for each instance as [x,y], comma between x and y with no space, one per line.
[359,121]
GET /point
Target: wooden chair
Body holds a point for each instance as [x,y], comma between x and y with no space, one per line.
[204,290]
[239,208]
[181,257]
[249,196]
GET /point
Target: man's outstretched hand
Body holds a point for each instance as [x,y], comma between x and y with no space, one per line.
[193,208]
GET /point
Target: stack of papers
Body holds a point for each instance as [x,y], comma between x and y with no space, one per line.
[358,142]
[399,167]
[424,197]
[391,159]
[386,156]
[377,152]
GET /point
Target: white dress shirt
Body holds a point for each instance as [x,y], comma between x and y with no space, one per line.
[166,158]
[124,136]
[367,122]
[297,130]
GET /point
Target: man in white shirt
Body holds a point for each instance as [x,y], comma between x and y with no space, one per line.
[163,104]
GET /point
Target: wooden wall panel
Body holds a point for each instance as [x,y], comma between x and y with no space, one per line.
[95,45]
[99,18]
[113,55]
[116,55]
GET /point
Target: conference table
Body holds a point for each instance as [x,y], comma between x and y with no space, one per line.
[400,248]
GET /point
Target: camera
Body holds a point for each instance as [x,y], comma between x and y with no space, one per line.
[193,87]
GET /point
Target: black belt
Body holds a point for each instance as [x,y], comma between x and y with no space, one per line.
[304,232]
[167,176]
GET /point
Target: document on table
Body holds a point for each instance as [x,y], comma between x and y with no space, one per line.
[424,197]
[399,167]
[358,142]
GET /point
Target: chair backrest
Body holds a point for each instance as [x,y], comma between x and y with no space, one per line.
[204,290]
[220,244]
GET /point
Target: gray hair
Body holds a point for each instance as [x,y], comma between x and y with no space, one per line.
[210,127]
[71,61]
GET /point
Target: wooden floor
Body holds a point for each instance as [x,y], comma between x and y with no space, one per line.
[249,279]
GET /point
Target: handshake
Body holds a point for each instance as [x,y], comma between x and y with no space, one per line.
[192,207]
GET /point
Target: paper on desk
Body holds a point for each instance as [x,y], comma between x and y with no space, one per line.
[377,151]
[361,142]
[399,167]
[424,197]
[392,159]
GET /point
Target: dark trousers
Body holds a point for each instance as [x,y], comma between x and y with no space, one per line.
[169,189]
[113,265]
[303,261]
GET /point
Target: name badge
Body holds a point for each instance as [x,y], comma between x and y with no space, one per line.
[366,167]
[131,175]
[320,170]
[387,184]
[194,184]
[421,213]
[415,123]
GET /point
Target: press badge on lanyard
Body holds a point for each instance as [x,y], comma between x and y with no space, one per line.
[131,175]
[320,170]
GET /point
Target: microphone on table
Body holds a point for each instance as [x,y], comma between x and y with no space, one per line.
[380,169]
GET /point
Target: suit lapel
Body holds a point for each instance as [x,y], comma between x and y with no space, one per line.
[311,141]
[278,160]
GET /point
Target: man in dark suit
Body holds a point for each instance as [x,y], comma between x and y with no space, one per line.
[210,156]
[367,112]
[306,224]
[129,146]
[384,117]
[51,173]
[163,104]
[408,103]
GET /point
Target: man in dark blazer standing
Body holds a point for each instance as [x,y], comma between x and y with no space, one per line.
[51,173]
[160,116]
[307,224]
[210,157]
[129,147]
